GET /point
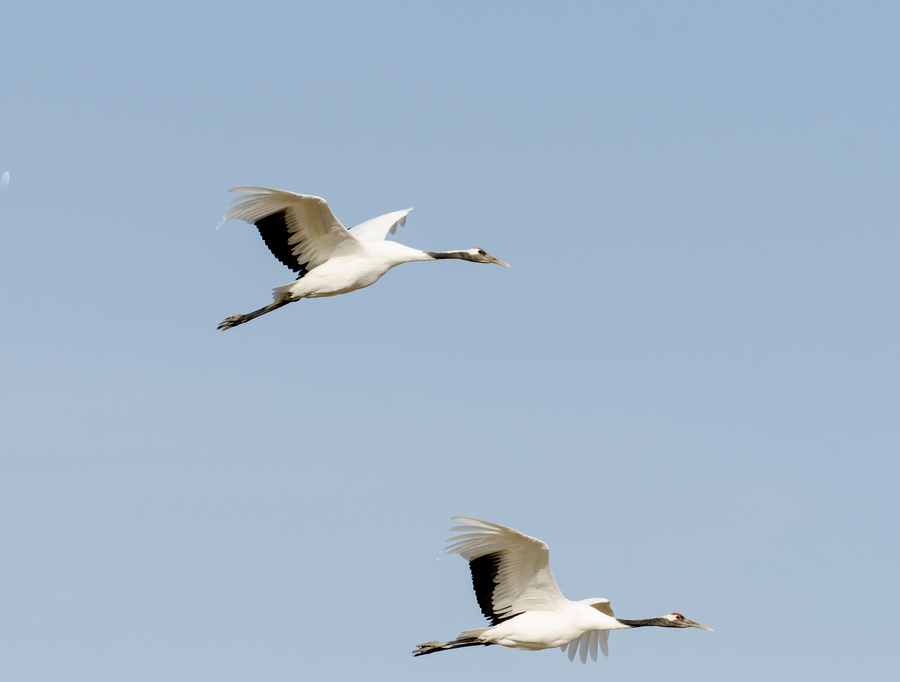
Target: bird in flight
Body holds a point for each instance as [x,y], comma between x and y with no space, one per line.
[302,232]
[518,595]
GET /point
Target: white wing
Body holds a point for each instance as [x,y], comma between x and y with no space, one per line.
[600,604]
[510,571]
[376,229]
[300,230]
[588,642]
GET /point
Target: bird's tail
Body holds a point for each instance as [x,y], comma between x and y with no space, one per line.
[235,320]
[284,291]
[467,638]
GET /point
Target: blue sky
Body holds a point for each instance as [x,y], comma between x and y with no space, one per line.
[687,384]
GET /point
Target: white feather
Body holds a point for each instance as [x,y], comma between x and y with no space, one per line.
[524,579]
[377,229]
[315,233]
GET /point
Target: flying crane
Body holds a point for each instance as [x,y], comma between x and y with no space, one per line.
[302,232]
[518,595]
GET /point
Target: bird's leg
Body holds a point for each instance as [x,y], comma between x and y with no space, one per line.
[431,647]
[235,320]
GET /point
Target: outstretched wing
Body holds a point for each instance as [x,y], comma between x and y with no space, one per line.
[510,571]
[376,229]
[588,642]
[300,230]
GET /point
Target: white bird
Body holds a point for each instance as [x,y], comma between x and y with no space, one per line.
[517,593]
[302,232]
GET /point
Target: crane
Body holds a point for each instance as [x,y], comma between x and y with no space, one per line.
[302,232]
[518,595]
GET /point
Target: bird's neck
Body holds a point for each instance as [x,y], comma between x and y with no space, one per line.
[658,622]
[461,255]
[395,254]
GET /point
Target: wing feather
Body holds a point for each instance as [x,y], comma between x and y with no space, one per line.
[510,571]
[601,604]
[299,229]
[376,229]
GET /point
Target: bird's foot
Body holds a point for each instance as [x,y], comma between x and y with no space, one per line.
[428,647]
[230,322]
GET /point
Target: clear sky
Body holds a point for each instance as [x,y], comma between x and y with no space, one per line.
[687,384]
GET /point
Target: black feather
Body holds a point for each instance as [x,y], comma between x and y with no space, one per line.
[275,233]
[484,580]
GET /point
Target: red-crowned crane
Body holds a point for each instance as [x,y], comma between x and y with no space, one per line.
[517,593]
[302,232]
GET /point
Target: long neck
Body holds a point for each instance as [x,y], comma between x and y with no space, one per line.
[462,255]
[395,254]
[658,622]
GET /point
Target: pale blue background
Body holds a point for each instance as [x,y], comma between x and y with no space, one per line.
[687,383]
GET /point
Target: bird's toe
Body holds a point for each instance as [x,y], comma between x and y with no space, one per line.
[230,322]
[428,647]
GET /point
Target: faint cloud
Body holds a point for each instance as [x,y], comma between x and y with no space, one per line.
[4,181]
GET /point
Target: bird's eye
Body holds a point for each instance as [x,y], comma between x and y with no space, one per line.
[481,252]
[679,616]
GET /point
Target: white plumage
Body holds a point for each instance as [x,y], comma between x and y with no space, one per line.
[516,591]
[302,232]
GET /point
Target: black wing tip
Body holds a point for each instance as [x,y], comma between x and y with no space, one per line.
[484,579]
[275,232]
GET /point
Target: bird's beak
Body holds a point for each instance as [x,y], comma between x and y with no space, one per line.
[491,259]
[696,625]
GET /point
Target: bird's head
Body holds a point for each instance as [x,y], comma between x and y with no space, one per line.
[481,256]
[676,620]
